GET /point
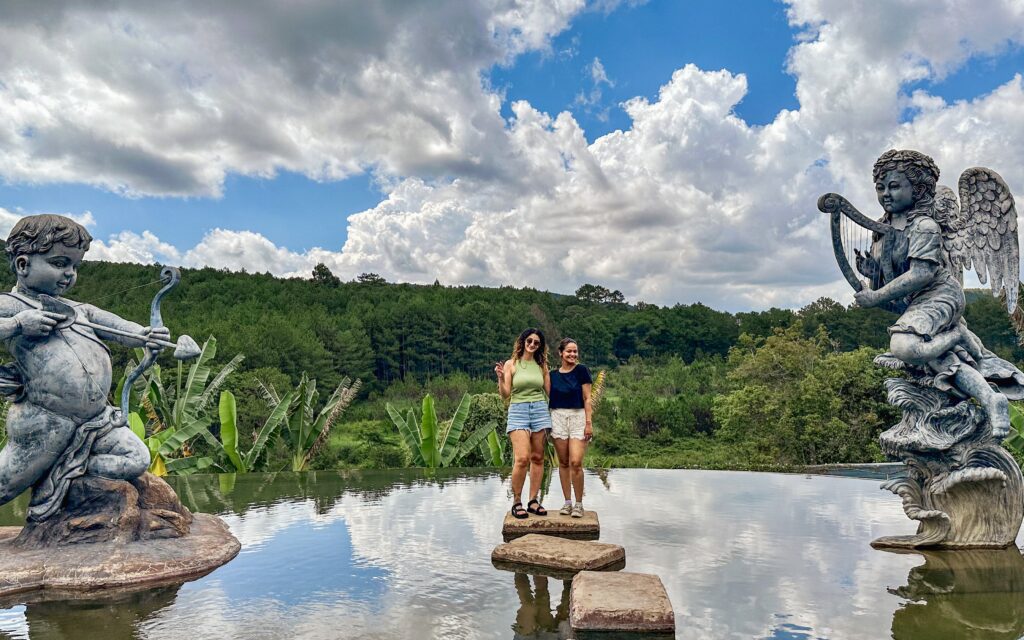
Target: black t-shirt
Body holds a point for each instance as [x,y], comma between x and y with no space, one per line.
[567,388]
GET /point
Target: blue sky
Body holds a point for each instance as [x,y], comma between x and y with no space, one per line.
[278,124]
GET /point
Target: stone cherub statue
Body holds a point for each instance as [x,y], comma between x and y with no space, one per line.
[60,426]
[965,490]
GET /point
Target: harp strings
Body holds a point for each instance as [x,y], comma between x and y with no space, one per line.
[854,238]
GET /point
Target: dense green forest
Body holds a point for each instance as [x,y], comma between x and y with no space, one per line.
[687,385]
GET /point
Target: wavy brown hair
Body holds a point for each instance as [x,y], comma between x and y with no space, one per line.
[541,355]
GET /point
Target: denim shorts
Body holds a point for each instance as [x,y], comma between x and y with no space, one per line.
[532,416]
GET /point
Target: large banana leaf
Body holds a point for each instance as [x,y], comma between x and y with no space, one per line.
[450,446]
[471,443]
[171,440]
[229,429]
[495,447]
[409,431]
[268,428]
[189,465]
[429,435]
[186,404]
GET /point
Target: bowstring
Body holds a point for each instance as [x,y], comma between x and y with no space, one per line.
[117,293]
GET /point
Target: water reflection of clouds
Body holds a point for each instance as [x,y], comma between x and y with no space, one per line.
[742,555]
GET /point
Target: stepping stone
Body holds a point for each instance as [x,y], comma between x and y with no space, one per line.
[620,601]
[553,524]
[557,557]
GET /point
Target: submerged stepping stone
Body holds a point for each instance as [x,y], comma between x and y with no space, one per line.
[553,524]
[620,601]
[557,557]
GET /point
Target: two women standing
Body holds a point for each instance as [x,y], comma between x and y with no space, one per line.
[532,391]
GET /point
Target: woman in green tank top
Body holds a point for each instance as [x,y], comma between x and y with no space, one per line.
[524,381]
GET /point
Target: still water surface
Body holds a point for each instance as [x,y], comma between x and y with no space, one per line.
[400,554]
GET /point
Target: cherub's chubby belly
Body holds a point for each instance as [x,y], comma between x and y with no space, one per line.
[66,373]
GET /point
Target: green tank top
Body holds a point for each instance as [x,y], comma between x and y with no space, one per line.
[528,382]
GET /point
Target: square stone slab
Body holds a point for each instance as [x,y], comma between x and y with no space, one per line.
[620,601]
[553,524]
[558,557]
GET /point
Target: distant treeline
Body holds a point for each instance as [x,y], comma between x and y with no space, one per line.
[383,332]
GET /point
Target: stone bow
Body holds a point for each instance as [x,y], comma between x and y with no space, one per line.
[186,346]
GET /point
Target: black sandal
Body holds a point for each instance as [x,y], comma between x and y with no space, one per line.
[538,510]
[518,511]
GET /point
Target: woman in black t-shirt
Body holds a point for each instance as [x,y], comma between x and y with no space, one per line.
[571,426]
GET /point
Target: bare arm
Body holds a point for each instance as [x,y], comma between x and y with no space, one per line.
[103,318]
[588,410]
[16,320]
[920,275]
[505,379]
[547,383]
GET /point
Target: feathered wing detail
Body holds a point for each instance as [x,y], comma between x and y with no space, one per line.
[955,231]
[983,233]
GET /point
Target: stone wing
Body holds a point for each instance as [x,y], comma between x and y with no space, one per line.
[988,235]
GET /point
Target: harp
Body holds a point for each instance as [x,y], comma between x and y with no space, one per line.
[852,231]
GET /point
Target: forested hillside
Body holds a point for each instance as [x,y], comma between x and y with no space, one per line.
[684,386]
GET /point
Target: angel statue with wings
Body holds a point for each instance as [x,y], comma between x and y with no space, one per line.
[932,242]
[914,266]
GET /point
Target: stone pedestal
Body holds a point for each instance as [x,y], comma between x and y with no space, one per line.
[97,565]
[557,557]
[620,601]
[554,524]
[101,510]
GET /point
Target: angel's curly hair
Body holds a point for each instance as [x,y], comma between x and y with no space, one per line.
[921,172]
[540,356]
[38,234]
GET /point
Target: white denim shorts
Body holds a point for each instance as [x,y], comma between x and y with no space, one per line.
[568,423]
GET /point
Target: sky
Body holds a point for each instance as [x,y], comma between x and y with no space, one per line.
[671,149]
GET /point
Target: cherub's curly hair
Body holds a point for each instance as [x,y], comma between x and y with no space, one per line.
[921,172]
[38,234]
[540,356]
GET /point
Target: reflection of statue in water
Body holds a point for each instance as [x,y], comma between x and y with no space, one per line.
[534,618]
[962,487]
[976,593]
[113,616]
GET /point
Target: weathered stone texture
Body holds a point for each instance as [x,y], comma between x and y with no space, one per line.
[101,510]
[554,524]
[620,601]
[564,556]
[115,563]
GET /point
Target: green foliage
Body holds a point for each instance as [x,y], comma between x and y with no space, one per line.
[243,462]
[306,430]
[487,412]
[795,401]
[433,444]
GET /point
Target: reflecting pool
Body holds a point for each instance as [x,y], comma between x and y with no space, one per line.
[404,554]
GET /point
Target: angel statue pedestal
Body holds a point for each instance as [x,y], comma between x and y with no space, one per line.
[961,486]
[96,519]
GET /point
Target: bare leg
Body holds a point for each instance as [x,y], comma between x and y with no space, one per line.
[119,455]
[36,438]
[537,440]
[995,404]
[577,449]
[913,349]
[520,461]
[562,449]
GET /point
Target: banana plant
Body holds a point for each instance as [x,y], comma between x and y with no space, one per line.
[435,445]
[493,447]
[1015,441]
[243,462]
[306,431]
[170,418]
[166,442]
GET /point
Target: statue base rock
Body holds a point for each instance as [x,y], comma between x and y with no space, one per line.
[963,488]
[113,533]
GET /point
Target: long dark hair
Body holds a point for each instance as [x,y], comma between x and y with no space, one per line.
[540,356]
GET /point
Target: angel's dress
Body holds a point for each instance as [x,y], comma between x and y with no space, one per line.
[939,307]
